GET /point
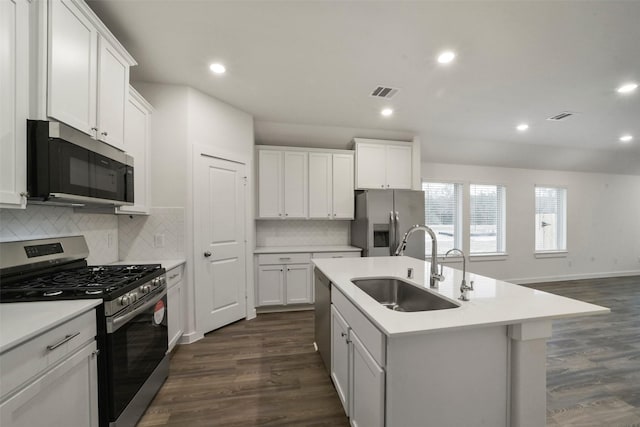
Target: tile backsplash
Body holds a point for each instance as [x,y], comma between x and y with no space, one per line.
[155,237]
[302,232]
[40,221]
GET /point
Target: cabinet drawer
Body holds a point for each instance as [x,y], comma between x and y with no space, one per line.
[28,360]
[286,258]
[336,255]
[371,337]
[174,276]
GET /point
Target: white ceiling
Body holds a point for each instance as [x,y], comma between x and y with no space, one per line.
[304,70]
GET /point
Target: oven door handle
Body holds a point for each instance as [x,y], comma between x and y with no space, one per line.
[114,323]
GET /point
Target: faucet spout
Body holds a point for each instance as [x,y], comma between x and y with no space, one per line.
[435,277]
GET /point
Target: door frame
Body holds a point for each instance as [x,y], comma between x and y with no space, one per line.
[192,333]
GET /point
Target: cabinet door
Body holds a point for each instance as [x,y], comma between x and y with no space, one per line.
[269,184]
[340,350]
[399,166]
[174,313]
[270,285]
[371,166]
[14,100]
[113,88]
[67,395]
[298,283]
[343,195]
[367,387]
[295,184]
[136,143]
[320,185]
[73,43]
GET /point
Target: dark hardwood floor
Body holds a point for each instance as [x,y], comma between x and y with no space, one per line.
[265,372]
[593,363]
[261,372]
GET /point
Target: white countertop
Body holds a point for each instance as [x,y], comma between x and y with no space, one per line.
[493,302]
[168,264]
[21,321]
[317,248]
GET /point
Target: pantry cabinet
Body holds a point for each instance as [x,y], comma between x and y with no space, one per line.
[383,164]
[14,101]
[87,72]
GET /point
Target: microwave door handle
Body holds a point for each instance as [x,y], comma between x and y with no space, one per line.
[115,323]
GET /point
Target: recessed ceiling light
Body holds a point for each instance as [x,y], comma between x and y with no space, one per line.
[627,87]
[626,138]
[386,112]
[446,57]
[522,127]
[217,68]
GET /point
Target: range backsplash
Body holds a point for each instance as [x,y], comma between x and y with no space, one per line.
[39,221]
[302,232]
[137,235]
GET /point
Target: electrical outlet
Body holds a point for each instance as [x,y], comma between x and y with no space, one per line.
[158,240]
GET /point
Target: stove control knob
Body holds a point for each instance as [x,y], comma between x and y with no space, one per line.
[155,282]
[163,280]
[133,297]
[124,300]
[144,289]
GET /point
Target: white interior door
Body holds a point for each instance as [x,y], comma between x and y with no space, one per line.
[220,274]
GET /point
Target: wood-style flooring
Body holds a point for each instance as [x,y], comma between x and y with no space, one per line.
[593,363]
[265,372]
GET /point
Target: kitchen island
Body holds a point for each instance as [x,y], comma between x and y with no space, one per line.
[482,363]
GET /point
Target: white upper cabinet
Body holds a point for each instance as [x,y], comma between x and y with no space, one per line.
[14,101]
[137,142]
[383,164]
[72,71]
[305,183]
[113,89]
[270,184]
[87,72]
[295,184]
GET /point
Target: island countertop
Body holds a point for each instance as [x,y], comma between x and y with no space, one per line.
[492,302]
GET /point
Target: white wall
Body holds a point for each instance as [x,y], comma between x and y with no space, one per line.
[185,120]
[603,221]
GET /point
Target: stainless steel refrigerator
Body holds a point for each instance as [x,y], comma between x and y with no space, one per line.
[381,219]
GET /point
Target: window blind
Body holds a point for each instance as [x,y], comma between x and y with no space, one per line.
[487,218]
[550,219]
[442,207]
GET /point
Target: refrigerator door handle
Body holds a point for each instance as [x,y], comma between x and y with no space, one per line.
[397,232]
[392,234]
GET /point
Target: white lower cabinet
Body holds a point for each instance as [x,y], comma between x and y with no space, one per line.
[284,278]
[358,377]
[175,327]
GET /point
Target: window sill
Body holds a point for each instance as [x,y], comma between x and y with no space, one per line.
[448,260]
[551,254]
[488,257]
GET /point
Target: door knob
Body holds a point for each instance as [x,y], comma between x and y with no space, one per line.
[207,254]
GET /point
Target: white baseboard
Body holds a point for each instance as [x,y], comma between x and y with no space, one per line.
[191,337]
[527,280]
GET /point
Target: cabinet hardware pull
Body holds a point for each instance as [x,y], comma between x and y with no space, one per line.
[337,256]
[67,338]
[342,334]
[95,353]
[94,129]
[285,258]
[105,133]
[207,254]
[173,276]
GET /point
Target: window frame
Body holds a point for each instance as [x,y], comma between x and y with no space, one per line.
[553,253]
[458,226]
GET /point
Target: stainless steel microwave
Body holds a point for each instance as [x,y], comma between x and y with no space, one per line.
[68,167]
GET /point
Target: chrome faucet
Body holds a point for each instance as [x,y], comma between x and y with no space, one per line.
[464,289]
[434,278]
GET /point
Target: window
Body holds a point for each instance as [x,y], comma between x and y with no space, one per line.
[551,219]
[487,219]
[442,207]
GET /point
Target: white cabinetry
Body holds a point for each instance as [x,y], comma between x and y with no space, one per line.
[137,143]
[357,360]
[52,377]
[284,279]
[14,101]
[330,185]
[175,327]
[282,184]
[88,72]
[383,164]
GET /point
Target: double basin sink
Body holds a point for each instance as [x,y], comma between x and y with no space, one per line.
[398,295]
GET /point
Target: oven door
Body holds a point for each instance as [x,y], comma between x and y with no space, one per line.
[136,343]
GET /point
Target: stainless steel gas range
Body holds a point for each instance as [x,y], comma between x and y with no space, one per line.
[131,322]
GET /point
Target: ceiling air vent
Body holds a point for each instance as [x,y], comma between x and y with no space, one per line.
[384,92]
[562,116]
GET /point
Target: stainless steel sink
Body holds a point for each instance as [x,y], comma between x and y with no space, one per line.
[398,295]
